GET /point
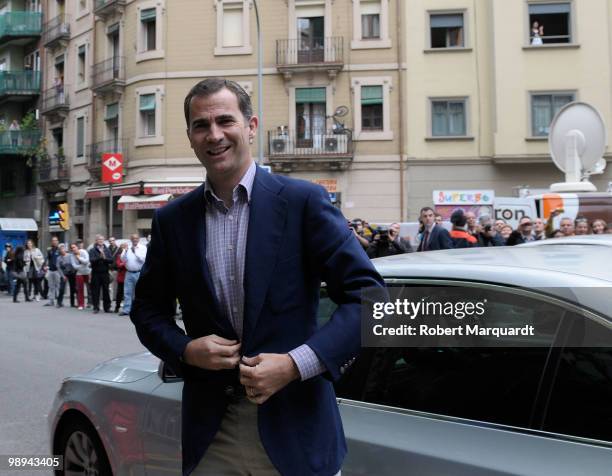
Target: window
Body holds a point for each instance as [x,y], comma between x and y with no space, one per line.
[580,399]
[370,20]
[147,114]
[81,64]
[82,7]
[80,137]
[111,119]
[550,23]
[372,100]
[447,30]
[150,31]
[8,181]
[310,112]
[543,109]
[79,207]
[448,118]
[233,27]
[370,24]
[148,21]
[498,384]
[372,108]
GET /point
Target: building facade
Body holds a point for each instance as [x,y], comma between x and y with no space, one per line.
[20,84]
[382,101]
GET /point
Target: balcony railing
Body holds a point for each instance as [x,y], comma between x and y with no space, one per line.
[19,83]
[17,142]
[20,25]
[98,149]
[315,51]
[56,31]
[106,7]
[109,73]
[51,171]
[315,143]
[55,100]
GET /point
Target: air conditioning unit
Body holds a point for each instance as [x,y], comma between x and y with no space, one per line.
[331,144]
[279,146]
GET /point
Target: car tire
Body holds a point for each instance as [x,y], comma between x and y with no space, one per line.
[82,450]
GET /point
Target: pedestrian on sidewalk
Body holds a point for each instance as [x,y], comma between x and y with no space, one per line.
[134,257]
[34,261]
[54,275]
[19,273]
[100,259]
[79,260]
[68,273]
[121,272]
[8,258]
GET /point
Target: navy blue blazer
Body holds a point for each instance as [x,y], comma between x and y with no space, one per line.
[296,239]
[439,239]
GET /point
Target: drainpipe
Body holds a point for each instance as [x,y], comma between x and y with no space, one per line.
[402,122]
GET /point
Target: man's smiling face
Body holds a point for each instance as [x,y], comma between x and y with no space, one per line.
[219,135]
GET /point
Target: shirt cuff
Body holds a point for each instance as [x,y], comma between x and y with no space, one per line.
[308,363]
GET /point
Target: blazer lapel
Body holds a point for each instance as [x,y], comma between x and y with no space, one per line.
[196,231]
[267,217]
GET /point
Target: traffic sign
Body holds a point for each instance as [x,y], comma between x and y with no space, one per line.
[112,168]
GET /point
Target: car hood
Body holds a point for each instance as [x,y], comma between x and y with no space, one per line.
[125,369]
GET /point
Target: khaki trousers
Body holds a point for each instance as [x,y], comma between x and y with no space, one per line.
[237,449]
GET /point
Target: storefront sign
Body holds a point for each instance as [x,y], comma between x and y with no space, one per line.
[463,197]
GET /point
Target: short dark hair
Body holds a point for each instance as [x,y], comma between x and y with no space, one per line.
[210,86]
[426,209]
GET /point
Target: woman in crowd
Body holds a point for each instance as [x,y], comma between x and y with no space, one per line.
[34,261]
[121,270]
[80,262]
[599,227]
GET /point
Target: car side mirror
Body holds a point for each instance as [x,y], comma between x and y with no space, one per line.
[166,374]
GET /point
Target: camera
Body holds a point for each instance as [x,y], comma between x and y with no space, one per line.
[383,233]
[355,224]
[488,228]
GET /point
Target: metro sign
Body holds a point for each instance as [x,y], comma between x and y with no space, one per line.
[112,168]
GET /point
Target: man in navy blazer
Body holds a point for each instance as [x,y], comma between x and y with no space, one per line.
[434,237]
[249,295]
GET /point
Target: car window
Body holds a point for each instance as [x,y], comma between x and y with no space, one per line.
[491,384]
[580,402]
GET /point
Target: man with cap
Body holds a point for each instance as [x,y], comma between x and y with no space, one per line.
[461,238]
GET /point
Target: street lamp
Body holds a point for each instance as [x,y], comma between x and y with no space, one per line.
[260,151]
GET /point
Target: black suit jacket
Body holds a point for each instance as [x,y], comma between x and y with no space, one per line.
[439,239]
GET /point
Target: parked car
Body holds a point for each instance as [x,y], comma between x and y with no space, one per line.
[424,411]
[592,240]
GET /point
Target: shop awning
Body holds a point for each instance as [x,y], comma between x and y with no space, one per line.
[174,188]
[101,191]
[18,224]
[143,202]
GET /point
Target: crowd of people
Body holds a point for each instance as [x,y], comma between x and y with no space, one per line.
[104,272]
[469,231]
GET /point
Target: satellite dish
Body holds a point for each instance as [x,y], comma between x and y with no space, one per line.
[577,142]
[341,111]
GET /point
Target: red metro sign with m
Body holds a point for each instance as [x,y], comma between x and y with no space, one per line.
[112,168]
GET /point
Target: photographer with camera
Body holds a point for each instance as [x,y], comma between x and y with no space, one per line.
[359,231]
[488,235]
[387,242]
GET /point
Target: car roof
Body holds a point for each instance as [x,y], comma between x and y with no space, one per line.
[597,240]
[574,274]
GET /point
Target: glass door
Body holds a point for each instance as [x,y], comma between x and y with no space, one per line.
[311,39]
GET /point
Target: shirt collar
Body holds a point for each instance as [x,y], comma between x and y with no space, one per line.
[246,183]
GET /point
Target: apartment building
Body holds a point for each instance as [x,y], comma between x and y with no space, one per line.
[481,90]
[117,73]
[20,64]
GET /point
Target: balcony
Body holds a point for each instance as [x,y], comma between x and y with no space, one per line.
[18,142]
[98,149]
[106,8]
[19,85]
[55,103]
[320,150]
[56,32]
[108,76]
[20,27]
[54,175]
[318,54]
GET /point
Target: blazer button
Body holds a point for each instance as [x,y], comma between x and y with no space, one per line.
[342,369]
[229,391]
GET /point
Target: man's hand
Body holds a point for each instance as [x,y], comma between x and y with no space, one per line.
[265,374]
[212,353]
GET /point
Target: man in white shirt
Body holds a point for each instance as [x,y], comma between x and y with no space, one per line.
[134,257]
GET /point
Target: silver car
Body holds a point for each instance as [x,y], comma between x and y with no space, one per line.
[473,411]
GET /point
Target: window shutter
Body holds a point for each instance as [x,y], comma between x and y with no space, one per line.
[148,14]
[147,102]
[371,95]
[310,95]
